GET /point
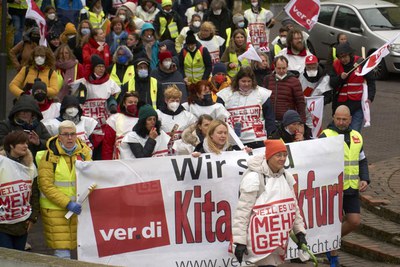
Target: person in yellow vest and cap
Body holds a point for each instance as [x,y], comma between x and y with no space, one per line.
[57,183]
[356,174]
[167,23]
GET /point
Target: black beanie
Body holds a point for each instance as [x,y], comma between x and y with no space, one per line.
[38,84]
[344,48]
[290,117]
[190,39]
[96,60]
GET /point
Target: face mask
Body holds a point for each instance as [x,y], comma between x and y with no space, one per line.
[168,11]
[217,12]
[280,77]
[143,73]
[72,111]
[122,59]
[122,17]
[173,106]
[283,40]
[219,78]
[39,60]
[51,16]
[71,36]
[85,31]
[199,7]
[241,24]
[151,9]
[196,24]
[69,151]
[132,109]
[167,64]
[312,73]
[254,4]
[40,97]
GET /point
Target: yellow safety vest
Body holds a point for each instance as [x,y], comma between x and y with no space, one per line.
[277,49]
[234,59]
[64,180]
[172,27]
[334,53]
[97,21]
[228,32]
[153,90]
[22,5]
[129,77]
[194,67]
[351,158]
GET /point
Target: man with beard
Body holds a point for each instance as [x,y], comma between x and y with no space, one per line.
[295,52]
[348,86]
[356,175]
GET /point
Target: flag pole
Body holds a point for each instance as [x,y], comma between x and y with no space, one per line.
[358,64]
[275,17]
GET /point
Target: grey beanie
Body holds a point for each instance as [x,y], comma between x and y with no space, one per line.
[290,117]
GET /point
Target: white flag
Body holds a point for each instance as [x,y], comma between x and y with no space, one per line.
[375,58]
[365,106]
[315,106]
[34,13]
[250,54]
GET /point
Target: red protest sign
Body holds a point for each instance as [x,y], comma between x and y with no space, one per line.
[304,12]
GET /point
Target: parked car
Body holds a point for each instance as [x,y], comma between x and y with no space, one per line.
[367,23]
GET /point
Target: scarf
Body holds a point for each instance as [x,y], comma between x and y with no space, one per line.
[68,69]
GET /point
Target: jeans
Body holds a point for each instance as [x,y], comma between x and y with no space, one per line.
[12,241]
[19,24]
[62,253]
[357,120]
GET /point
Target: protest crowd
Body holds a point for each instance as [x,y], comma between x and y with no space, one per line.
[110,80]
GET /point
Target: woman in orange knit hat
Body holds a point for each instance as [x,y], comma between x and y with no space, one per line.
[267,209]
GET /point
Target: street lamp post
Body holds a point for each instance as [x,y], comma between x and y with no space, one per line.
[3,60]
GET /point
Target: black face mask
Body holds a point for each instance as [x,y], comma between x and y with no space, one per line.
[35,39]
[40,96]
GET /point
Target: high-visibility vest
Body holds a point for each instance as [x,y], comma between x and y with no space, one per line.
[64,181]
[129,77]
[97,21]
[228,32]
[233,58]
[353,89]
[22,5]
[334,53]
[351,158]
[194,67]
[153,90]
[172,27]
[277,49]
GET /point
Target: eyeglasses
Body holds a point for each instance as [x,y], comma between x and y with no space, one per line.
[68,134]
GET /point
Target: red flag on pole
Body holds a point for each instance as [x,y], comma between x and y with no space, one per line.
[375,58]
[304,12]
[34,13]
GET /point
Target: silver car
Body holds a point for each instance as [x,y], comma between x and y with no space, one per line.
[367,23]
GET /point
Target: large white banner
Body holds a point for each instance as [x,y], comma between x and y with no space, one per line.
[177,211]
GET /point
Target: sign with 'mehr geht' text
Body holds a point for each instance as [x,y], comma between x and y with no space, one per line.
[177,211]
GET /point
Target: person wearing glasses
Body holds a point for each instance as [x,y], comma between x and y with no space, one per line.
[57,183]
[266,194]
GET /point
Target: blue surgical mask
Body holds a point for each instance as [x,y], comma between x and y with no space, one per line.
[143,73]
[241,24]
[69,151]
[122,59]
[85,31]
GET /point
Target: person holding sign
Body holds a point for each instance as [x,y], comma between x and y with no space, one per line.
[267,210]
[19,191]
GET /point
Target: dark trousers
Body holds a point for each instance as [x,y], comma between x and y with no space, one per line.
[12,241]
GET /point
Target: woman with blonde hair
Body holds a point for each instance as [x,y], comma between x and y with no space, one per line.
[208,37]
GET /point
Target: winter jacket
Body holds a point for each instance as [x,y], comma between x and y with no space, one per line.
[23,81]
[21,53]
[26,102]
[286,94]
[221,22]
[60,233]
[169,77]
[89,49]
[19,229]
[251,187]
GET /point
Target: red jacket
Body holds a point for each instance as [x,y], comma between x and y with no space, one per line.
[89,49]
[286,94]
[353,88]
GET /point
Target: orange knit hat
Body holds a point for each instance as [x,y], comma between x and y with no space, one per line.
[272,147]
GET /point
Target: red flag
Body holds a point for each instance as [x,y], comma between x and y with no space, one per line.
[375,58]
[34,13]
[304,12]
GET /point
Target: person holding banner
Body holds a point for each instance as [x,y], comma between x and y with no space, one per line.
[348,86]
[266,195]
[57,183]
[146,139]
[356,174]
[20,192]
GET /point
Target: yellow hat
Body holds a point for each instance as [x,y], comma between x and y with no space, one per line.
[166,3]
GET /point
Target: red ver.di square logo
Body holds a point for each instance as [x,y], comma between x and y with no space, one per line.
[129,218]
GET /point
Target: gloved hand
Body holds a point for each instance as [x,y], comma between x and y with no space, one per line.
[74,207]
[113,109]
[239,251]
[301,239]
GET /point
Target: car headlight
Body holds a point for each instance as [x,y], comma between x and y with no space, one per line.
[395,48]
